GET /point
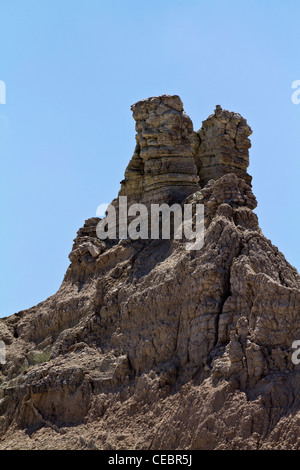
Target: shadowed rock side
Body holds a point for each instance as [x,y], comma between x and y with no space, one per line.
[147,345]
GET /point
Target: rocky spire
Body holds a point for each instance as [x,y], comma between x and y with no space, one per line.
[149,346]
[221,146]
[171,161]
[162,168]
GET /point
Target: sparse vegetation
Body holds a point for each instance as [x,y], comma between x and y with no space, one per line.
[40,357]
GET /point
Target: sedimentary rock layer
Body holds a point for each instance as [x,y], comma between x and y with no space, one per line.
[147,345]
[221,146]
[162,168]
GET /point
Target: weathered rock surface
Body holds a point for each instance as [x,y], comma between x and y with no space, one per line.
[147,345]
[221,146]
[162,168]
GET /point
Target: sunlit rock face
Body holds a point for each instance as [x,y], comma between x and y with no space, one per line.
[162,168]
[222,146]
[147,345]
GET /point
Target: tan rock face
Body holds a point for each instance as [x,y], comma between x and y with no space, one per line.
[221,146]
[162,168]
[149,346]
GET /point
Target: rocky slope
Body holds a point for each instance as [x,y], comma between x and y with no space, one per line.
[147,345]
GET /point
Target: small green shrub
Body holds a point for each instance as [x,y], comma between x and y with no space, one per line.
[40,357]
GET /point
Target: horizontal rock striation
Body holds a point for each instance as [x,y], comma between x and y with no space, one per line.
[147,345]
[222,146]
[162,168]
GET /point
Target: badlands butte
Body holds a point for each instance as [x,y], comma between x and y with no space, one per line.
[147,345]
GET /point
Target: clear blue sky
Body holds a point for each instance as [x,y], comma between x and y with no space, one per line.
[73,69]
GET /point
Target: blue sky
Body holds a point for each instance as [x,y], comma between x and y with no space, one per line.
[73,69]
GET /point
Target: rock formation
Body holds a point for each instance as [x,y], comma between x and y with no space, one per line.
[147,345]
[162,168]
[221,146]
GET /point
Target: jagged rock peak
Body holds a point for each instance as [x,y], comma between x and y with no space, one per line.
[162,168]
[147,345]
[222,146]
[170,160]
